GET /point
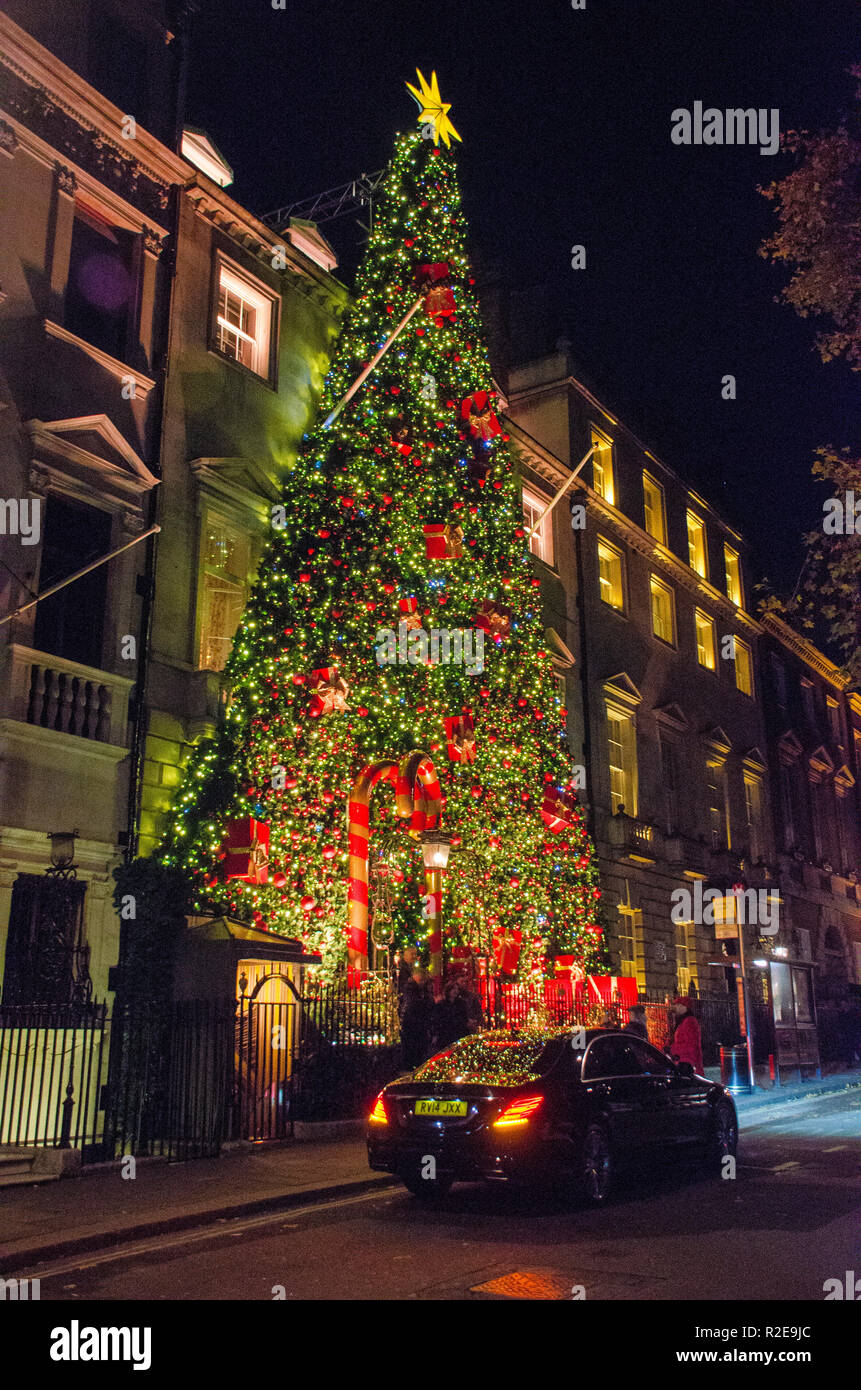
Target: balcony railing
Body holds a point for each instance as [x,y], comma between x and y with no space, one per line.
[633,837]
[52,693]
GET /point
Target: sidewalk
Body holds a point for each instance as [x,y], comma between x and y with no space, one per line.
[100,1208]
[793,1090]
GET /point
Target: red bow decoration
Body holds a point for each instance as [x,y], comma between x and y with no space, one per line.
[506,948]
[435,280]
[408,608]
[459,732]
[478,412]
[244,851]
[329,692]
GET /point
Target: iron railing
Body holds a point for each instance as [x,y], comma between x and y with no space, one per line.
[52,1064]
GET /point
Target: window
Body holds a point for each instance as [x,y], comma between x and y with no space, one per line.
[47,957]
[753,815]
[101,290]
[652,1062]
[663,611]
[670,784]
[611,575]
[705,639]
[632,950]
[718,808]
[602,467]
[743,667]
[244,320]
[541,543]
[653,506]
[787,779]
[686,957]
[622,758]
[779,673]
[71,622]
[226,567]
[732,570]
[697,544]
[610,1057]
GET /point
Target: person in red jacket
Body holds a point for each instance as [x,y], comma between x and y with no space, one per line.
[686,1045]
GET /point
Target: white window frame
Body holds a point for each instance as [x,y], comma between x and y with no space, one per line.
[649,481]
[617,553]
[541,543]
[700,528]
[606,466]
[743,646]
[626,794]
[655,582]
[734,585]
[266,304]
[709,620]
[212,516]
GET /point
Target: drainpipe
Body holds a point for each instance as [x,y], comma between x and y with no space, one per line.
[584,679]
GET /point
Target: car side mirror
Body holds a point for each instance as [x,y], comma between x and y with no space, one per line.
[685,1069]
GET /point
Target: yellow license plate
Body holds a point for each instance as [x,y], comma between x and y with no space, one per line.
[441,1107]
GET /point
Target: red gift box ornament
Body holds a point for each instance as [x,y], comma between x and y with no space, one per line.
[506,948]
[244,850]
[443,541]
[329,692]
[435,280]
[460,734]
[402,435]
[477,411]
[558,809]
[494,619]
[409,614]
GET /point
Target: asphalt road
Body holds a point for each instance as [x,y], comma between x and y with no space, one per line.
[785,1224]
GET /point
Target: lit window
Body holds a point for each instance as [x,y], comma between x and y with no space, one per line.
[743,668]
[622,758]
[602,467]
[732,569]
[718,806]
[753,813]
[697,544]
[653,506]
[101,289]
[541,542]
[243,321]
[686,957]
[610,575]
[705,639]
[663,615]
[226,566]
[632,953]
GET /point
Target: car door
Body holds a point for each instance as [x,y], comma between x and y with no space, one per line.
[666,1115]
[615,1083]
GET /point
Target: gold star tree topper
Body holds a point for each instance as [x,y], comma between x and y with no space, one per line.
[432,109]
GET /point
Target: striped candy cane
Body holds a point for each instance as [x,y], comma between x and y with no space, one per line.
[358,812]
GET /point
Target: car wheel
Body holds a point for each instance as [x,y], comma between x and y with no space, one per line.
[596,1166]
[723,1140]
[428,1190]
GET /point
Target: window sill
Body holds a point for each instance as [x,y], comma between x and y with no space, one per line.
[247,372]
[143,384]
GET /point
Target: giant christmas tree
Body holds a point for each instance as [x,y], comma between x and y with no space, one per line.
[391,673]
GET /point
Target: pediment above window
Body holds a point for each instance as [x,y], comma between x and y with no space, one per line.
[241,481]
[789,747]
[820,762]
[89,450]
[754,761]
[623,690]
[673,715]
[717,739]
[563,658]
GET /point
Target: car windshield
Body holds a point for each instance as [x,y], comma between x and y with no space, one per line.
[496,1059]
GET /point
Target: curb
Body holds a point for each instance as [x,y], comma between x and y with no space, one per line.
[745,1103]
[17,1260]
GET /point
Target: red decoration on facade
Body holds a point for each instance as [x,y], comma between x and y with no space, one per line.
[329,692]
[477,410]
[244,850]
[506,948]
[443,541]
[461,738]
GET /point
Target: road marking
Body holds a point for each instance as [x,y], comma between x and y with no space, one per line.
[780,1167]
[835,1148]
[215,1231]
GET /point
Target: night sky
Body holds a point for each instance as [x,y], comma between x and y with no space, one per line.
[565,119]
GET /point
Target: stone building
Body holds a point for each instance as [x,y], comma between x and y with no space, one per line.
[672,709]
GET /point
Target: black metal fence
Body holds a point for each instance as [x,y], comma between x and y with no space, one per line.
[185,1077]
[53,1060]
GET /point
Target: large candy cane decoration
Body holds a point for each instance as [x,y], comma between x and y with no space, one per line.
[357,842]
[418,798]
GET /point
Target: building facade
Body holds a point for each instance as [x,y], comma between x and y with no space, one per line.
[672,715]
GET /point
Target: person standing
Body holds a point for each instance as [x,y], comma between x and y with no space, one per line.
[450,1016]
[406,965]
[416,1019]
[686,1042]
[637,1022]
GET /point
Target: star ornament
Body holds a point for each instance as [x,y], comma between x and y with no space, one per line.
[432,109]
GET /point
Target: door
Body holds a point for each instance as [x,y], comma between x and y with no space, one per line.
[615,1081]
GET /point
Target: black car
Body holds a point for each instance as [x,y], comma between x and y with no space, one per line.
[537,1106]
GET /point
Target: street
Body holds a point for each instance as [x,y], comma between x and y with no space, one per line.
[788,1222]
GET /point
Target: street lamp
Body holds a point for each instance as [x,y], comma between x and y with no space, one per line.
[63,851]
[435,850]
[436,845]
